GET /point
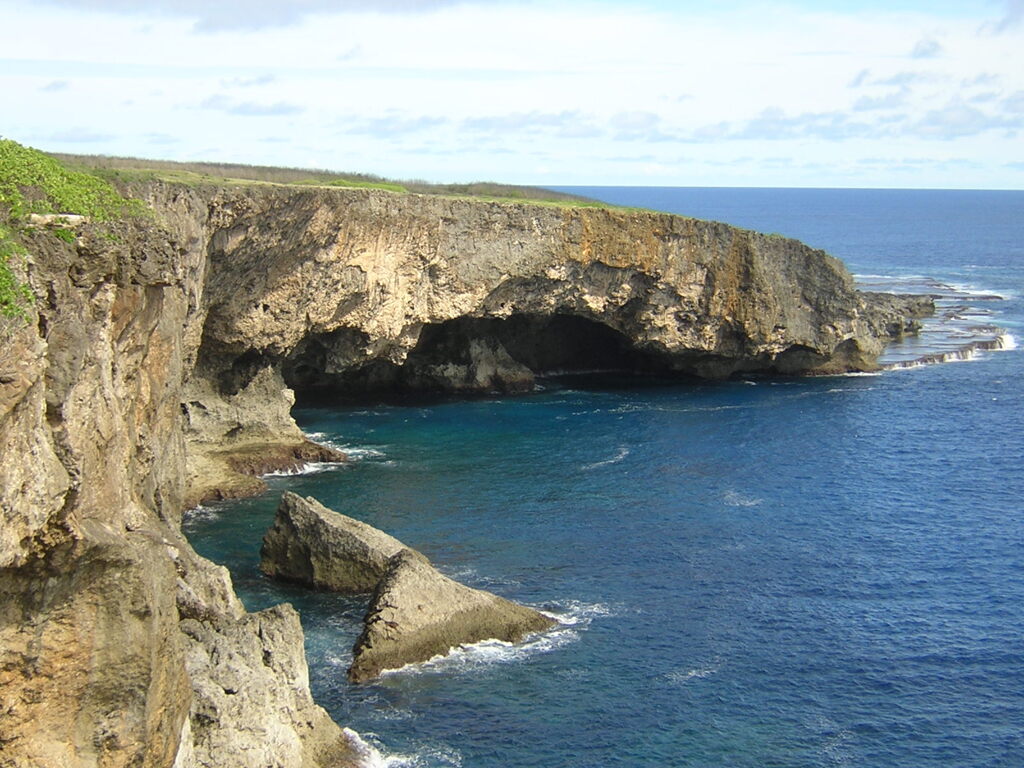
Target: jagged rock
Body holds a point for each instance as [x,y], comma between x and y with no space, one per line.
[314,545]
[251,702]
[896,315]
[106,613]
[417,613]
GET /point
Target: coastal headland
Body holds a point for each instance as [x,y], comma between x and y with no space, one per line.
[152,352]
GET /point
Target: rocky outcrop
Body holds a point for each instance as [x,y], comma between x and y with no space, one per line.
[116,639]
[313,545]
[897,315]
[251,701]
[341,291]
[417,613]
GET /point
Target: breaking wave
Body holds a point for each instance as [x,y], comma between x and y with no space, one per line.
[622,453]
[370,755]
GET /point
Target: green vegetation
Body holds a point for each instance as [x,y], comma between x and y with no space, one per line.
[33,182]
[127,169]
[15,296]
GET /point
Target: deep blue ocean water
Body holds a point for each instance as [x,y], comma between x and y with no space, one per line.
[819,572]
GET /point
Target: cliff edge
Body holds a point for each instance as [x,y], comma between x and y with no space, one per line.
[350,291]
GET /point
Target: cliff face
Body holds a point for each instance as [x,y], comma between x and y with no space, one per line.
[365,291]
[331,286]
[114,635]
[158,367]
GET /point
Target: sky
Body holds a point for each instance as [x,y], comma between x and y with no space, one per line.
[901,93]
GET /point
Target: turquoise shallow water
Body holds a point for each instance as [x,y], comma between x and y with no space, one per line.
[753,573]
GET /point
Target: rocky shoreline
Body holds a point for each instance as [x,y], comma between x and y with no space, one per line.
[157,368]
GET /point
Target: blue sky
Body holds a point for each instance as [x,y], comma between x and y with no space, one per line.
[727,93]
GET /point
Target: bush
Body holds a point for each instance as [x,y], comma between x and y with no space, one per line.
[15,296]
[33,182]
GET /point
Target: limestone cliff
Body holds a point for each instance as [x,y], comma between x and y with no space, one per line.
[118,644]
[356,291]
[158,368]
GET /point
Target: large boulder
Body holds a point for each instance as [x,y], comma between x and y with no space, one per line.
[313,545]
[416,613]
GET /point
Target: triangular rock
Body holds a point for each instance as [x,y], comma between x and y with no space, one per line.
[417,613]
[314,545]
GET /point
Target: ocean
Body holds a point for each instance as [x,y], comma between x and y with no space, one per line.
[791,572]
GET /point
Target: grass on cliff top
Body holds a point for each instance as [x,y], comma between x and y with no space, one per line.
[34,182]
[138,169]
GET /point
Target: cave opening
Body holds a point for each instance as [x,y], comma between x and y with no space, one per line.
[469,356]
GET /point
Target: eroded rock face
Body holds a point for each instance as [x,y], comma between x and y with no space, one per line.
[321,548]
[106,613]
[417,613]
[339,291]
[251,702]
[360,291]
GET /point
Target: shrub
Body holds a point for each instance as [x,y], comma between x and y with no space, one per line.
[33,182]
[15,296]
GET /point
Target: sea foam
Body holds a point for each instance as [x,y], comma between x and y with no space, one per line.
[371,756]
[622,453]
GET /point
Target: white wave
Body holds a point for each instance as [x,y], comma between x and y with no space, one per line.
[682,676]
[371,756]
[198,513]
[361,452]
[974,351]
[858,276]
[972,291]
[623,453]
[575,612]
[307,468]
[354,452]
[736,499]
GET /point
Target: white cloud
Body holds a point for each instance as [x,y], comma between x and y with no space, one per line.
[223,103]
[926,48]
[471,90]
[55,86]
[247,14]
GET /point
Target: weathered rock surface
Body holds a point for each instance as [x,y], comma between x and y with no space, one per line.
[106,613]
[251,703]
[356,291]
[417,613]
[313,545]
